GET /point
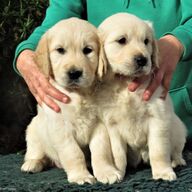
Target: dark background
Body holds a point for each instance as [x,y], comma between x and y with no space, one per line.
[18,19]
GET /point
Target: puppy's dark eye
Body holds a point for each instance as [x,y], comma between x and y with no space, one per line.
[60,50]
[87,50]
[146,41]
[122,41]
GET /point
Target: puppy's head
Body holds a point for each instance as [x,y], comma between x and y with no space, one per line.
[128,46]
[69,53]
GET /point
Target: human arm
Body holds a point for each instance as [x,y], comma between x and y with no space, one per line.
[174,46]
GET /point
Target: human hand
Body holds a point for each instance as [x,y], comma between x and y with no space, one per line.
[170,51]
[37,82]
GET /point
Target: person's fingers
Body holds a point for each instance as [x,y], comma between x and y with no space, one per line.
[55,93]
[43,98]
[38,84]
[34,92]
[45,91]
[166,84]
[50,103]
[155,82]
[167,80]
[43,83]
[38,99]
[136,83]
[40,93]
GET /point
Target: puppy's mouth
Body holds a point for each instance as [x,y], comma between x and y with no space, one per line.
[79,84]
[121,76]
[73,85]
[130,75]
[138,73]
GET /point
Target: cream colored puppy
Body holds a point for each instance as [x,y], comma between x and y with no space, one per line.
[68,53]
[138,130]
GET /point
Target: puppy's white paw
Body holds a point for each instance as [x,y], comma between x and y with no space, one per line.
[178,162]
[165,174]
[81,178]
[109,175]
[32,165]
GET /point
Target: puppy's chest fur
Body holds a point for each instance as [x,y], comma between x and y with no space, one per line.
[77,118]
[125,111]
[84,117]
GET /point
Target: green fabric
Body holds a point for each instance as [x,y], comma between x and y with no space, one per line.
[169,17]
[54,180]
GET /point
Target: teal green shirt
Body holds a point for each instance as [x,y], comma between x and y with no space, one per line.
[168,17]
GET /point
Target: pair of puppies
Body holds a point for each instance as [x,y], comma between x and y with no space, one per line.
[106,117]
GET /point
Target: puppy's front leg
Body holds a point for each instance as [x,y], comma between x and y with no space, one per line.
[160,150]
[73,161]
[35,159]
[119,149]
[102,162]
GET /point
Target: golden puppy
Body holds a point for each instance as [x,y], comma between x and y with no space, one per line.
[69,53]
[138,129]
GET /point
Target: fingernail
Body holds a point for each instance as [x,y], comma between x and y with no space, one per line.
[146,96]
[65,99]
[58,110]
[131,88]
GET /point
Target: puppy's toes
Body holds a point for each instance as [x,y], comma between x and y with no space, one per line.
[32,166]
[165,174]
[81,178]
[109,175]
[178,162]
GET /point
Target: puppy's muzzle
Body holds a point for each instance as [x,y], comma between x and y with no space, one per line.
[74,74]
[140,61]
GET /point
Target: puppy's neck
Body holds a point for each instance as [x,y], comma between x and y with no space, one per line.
[83,90]
[111,76]
[122,79]
[79,90]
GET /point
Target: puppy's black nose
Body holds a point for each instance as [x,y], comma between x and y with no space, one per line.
[140,60]
[74,74]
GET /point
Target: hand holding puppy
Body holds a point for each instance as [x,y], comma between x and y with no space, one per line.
[170,50]
[37,82]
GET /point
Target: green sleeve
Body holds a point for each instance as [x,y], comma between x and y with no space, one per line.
[184,31]
[57,10]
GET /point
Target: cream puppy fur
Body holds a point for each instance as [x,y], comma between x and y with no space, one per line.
[138,130]
[69,53]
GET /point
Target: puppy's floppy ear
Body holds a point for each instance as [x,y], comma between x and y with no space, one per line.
[155,53]
[149,23]
[42,56]
[102,67]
